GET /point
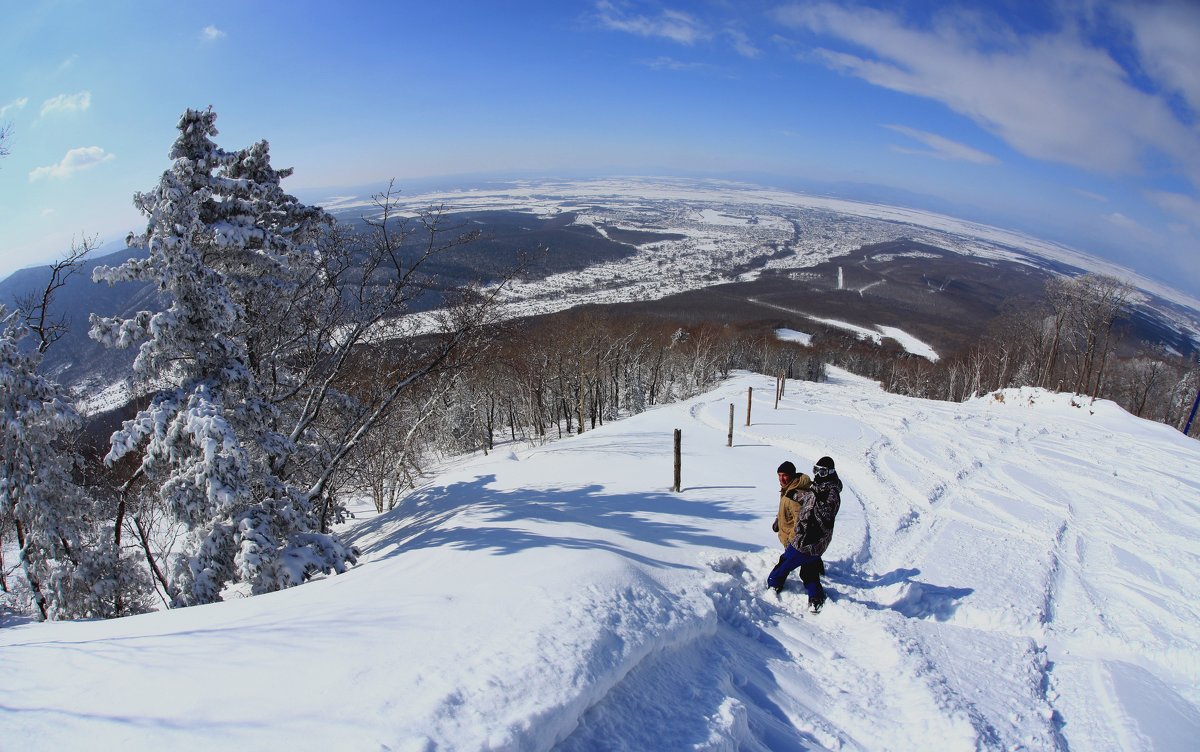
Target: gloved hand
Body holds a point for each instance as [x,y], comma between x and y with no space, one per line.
[775,525]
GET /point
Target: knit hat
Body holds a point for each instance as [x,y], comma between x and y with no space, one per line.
[823,467]
[787,467]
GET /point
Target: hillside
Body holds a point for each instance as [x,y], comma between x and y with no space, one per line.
[1018,571]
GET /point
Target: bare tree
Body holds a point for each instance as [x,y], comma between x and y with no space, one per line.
[1101,300]
[36,307]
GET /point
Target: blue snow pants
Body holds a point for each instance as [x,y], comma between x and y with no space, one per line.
[811,568]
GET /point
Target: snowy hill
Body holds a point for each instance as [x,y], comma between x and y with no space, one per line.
[1006,573]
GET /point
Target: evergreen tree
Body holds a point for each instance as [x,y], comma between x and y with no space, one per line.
[73,569]
[228,251]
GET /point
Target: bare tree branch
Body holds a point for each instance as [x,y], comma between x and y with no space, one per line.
[36,308]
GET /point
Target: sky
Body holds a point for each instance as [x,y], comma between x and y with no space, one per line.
[560,596]
[1076,121]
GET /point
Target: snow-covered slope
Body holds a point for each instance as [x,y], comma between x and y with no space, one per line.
[1008,573]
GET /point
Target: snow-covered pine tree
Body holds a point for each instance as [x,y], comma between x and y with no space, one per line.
[227,250]
[73,569]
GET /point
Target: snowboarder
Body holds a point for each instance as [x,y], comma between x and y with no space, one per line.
[807,510]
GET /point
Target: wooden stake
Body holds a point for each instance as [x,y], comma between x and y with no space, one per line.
[678,460]
[749,403]
[729,441]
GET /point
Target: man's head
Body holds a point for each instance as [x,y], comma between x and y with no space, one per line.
[786,472]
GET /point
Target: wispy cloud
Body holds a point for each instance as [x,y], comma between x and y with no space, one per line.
[741,42]
[64,65]
[675,25]
[941,147]
[13,106]
[1053,96]
[211,33]
[1122,221]
[83,158]
[65,103]
[1179,204]
[1165,36]
[670,63]
[1093,196]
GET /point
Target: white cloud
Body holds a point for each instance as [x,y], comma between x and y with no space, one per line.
[1093,196]
[13,106]
[68,62]
[65,103]
[743,45]
[1122,221]
[1179,204]
[1053,97]
[1167,39]
[83,158]
[675,25]
[670,63]
[211,33]
[941,147]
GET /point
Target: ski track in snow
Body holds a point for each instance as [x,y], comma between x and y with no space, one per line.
[890,686]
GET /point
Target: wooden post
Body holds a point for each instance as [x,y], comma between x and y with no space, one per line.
[678,461]
[782,384]
[778,388]
[1187,429]
[579,405]
[749,402]
[729,441]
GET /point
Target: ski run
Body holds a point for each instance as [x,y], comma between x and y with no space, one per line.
[1021,571]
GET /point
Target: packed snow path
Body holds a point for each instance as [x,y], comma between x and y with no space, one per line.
[1014,572]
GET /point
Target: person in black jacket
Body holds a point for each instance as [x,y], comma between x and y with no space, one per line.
[812,533]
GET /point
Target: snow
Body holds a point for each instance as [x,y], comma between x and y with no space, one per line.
[1019,571]
[791,335]
[907,341]
[910,343]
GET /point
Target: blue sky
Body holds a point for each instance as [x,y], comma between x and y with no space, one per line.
[1077,121]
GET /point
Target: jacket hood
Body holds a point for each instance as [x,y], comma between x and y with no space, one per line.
[802,481]
[829,481]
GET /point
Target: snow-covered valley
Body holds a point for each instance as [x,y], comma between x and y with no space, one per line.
[1018,571]
[715,231]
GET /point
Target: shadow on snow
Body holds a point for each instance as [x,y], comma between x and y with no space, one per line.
[918,600]
[424,520]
